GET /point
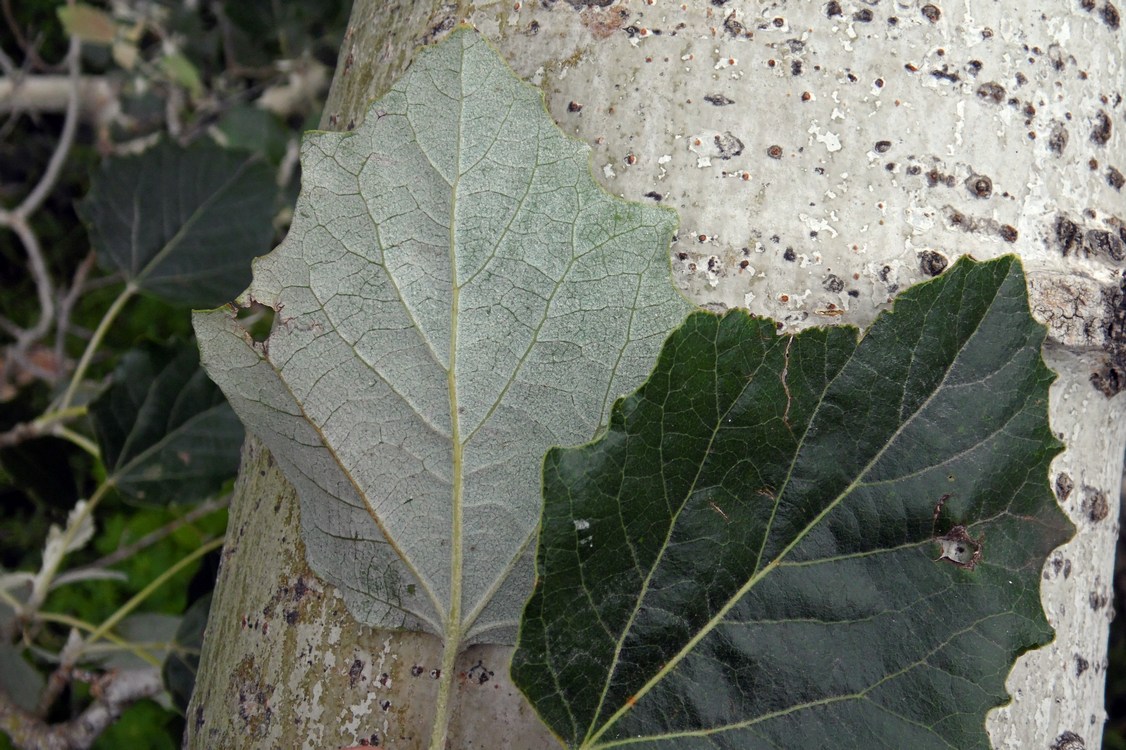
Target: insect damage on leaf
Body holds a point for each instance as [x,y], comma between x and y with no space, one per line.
[711,613]
[959,548]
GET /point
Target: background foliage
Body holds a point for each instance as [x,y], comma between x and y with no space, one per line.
[244,77]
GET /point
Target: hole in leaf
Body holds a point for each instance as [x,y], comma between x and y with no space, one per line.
[257,319]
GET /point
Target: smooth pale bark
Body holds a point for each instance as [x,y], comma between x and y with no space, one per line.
[820,162]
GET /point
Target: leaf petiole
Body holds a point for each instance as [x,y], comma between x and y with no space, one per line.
[92,345]
[103,629]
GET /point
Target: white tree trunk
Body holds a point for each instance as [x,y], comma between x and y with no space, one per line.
[822,156]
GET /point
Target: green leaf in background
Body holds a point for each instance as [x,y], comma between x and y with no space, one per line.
[165,431]
[182,223]
[748,557]
[96,600]
[182,71]
[252,128]
[260,33]
[21,681]
[182,663]
[90,24]
[153,632]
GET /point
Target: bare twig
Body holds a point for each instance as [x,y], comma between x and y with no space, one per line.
[95,341]
[18,434]
[98,96]
[17,219]
[7,66]
[113,693]
[45,425]
[121,553]
[9,327]
[25,44]
[56,683]
[67,302]
[44,289]
[160,580]
[47,182]
[51,423]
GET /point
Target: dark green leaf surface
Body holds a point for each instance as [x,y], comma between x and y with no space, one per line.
[254,129]
[183,224]
[747,559]
[165,430]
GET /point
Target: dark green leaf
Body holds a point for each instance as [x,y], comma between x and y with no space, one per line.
[182,663]
[254,129]
[747,559]
[183,224]
[258,33]
[165,430]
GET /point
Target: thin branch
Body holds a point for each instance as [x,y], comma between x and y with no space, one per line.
[121,553]
[113,693]
[44,289]
[67,302]
[43,425]
[9,327]
[78,439]
[153,585]
[99,96]
[19,433]
[25,45]
[93,344]
[7,66]
[17,219]
[66,139]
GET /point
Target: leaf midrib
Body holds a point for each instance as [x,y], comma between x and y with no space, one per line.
[714,621]
[186,226]
[857,695]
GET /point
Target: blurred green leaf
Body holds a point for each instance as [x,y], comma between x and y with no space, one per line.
[254,129]
[153,631]
[182,663]
[183,223]
[89,24]
[181,70]
[18,678]
[259,33]
[165,430]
